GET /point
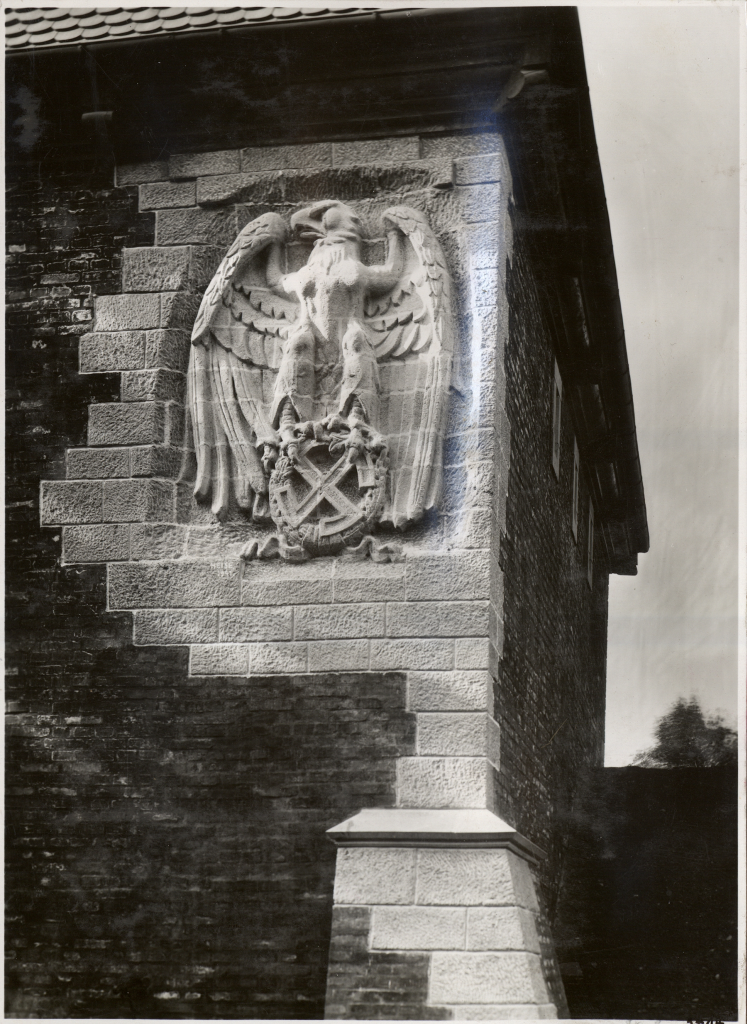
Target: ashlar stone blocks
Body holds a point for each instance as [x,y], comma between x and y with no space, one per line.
[469,914]
[471,911]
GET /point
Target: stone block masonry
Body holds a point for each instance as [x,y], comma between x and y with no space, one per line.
[433,621]
[465,921]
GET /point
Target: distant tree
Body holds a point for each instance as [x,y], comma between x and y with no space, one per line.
[686,739]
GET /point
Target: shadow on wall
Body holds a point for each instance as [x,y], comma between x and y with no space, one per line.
[646,922]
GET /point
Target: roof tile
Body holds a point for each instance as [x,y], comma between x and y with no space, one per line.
[117,17]
[96,32]
[29,27]
[69,35]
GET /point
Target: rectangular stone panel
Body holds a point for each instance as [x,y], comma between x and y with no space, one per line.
[190,165]
[137,501]
[95,543]
[174,585]
[123,424]
[153,385]
[178,310]
[127,312]
[442,781]
[437,618]
[70,501]
[375,875]
[502,928]
[153,269]
[457,734]
[474,878]
[416,655]
[486,978]
[481,202]
[97,463]
[373,151]
[156,460]
[339,655]
[395,927]
[270,158]
[167,349]
[219,660]
[103,352]
[472,654]
[456,576]
[166,194]
[339,621]
[275,584]
[369,581]
[488,167]
[157,541]
[268,658]
[133,174]
[449,691]
[241,625]
[194,226]
[488,248]
[176,626]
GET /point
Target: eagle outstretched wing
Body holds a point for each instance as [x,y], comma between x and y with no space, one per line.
[412,332]
[235,353]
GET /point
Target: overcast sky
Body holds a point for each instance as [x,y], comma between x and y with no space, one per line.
[664,84]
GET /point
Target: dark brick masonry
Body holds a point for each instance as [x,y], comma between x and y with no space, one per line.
[550,690]
[165,854]
[368,985]
[647,921]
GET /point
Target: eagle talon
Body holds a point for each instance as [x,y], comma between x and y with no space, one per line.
[269,457]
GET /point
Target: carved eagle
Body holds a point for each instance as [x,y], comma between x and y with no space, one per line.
[243,325]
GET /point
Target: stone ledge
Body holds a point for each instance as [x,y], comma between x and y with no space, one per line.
[460,827]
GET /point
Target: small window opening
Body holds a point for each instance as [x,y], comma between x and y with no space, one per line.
[576,478]
[557,401]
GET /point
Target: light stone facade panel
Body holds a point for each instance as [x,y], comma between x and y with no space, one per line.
[375,876]
[427,781]
[487,978]
[413,927]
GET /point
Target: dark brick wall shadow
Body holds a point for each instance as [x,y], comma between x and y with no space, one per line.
[647,917]
[165,847]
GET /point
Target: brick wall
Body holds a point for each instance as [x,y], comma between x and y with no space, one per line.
[647,922]
[550,685]
[179,570]
[166,851]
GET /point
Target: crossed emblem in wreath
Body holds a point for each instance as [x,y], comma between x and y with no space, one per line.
[322,487]
[297,494]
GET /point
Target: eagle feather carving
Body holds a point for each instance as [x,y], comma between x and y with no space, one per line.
[360,355]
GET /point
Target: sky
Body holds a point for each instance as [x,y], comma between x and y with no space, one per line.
[664,86]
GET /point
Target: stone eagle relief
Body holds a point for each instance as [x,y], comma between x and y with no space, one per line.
[284,393]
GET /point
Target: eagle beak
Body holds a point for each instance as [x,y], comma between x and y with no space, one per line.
[307,223]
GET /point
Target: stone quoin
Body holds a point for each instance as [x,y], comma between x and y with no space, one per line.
[308,617]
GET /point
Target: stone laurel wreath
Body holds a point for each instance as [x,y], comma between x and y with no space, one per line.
[284,368]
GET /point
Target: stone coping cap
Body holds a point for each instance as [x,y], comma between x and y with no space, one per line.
[400,826]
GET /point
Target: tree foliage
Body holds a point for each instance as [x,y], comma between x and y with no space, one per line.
[686,739]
